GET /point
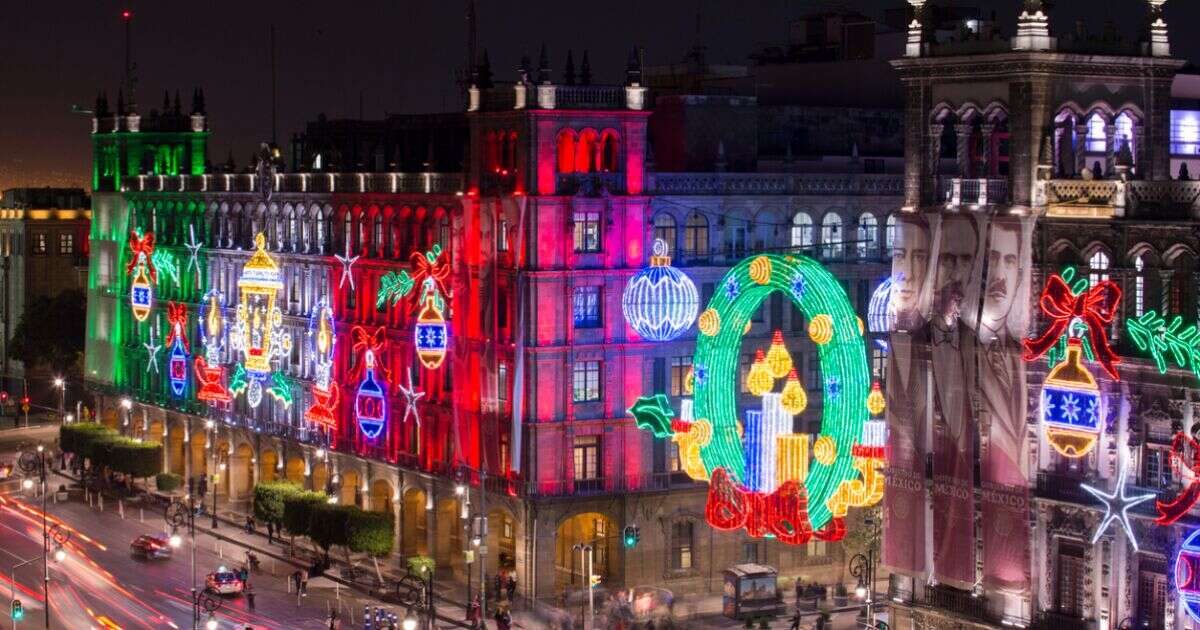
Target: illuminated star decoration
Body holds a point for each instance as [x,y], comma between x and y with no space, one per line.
[193,250]
[411,396]
[1116,505]
[347,262]
[151,355]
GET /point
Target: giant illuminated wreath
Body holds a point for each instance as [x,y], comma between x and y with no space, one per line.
[802,494]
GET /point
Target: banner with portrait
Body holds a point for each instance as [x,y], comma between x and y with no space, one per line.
[1002,400]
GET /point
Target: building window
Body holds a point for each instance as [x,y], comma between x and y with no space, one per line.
[1071,571]
[674,464]
[1139,286]
[39,242]
[587,381]
[831,236]
[737,241]
[66,243]
[1185,132]
[502,380]
[695,236]
[815,549]
[680,366]
[802,231]
[587,231]
[502,236]
[1158,468]
[752,553]
[587,307]
[879,364]
[1096,140]
[664,230]
[743,371]
[889,233]
[868,233]
[681,546]
[1099,268]
[587,457]
[1152,606]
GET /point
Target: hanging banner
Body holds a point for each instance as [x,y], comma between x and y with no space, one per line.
[905,500]
[999,384]
[958,271]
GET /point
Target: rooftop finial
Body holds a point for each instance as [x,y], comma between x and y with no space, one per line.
[569,70]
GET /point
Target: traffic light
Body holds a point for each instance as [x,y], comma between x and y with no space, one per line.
[18,611]
[631,535]
[3,397]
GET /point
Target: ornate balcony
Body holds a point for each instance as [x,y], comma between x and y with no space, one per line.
[816,184]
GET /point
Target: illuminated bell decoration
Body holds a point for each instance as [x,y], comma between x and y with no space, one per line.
[660,302]
[758,379]
[1187,575]
[370,405]
[432,334]
[1071,405]
[779,361]
[820,329]
[875,400]
[794,398]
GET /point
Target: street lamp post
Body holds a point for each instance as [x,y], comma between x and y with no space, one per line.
[216,483]
[35,462]
[862,567]
[61,384]
[178,514]
[585,562]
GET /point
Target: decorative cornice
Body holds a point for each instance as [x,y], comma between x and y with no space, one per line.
[1045,63]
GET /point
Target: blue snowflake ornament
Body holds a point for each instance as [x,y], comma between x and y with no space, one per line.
[732,288]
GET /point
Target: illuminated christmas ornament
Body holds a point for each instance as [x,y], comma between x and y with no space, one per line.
[143,274]
[322,339]
[370,403]
[177,360]
[258,332]
[779,361]
[1187,575]
[1071,405]
[660,301]
[709,322]
[1117,504]
[431,335]
[193,246]
[794,399]
[152,354]
[1063,306]
[792,459]
[209,372]
[825,450]
[820,329]
[878,320]
[758,379]
[875,400]
[760,270]
[763,426]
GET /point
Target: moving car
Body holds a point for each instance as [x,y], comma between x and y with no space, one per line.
[150,547]
[223,582]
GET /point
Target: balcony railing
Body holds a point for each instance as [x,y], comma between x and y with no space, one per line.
[1051,620]
[975,191]
[957,602]
[430,183]
[589,96]
[816,184]
[589,184]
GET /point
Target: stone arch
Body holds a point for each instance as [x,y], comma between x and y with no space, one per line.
[501,541]
[173,448]
[609,151]
[269,465]
[565,147]
[381,498]
[585,528]
[414,540]
[241,472]
[349,484]
[321,473]
[295,470]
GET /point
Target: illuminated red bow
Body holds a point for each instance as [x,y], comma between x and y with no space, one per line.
[1169,512]
[376,342]
[437,270]
[141,245]
[783,513]
[1096,307]
[177,318]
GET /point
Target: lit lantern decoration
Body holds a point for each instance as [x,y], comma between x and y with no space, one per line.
[783,489]
[258,331]
[779,360]
[322,338]
[209,372]
[143,274]
[794,399]
[1187,575]
[370,403]
[177,341]
[432,334]
[660,302]
[758,379]
[1071,405]
[820,329]
[875,400]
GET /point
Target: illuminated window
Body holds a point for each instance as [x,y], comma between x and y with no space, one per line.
[1185,132]
[586,151]
[608,152]
[674,464]
[377,235]
[681,545]
[586,307]
[802,230]
[1099,268]
[1096,141]
[695,236]
[502,236]
[586,450]
[879,364]
[1139,286]
[889,233]
[868,234]
[1124,136]
[66,243]
[586,381]
[1157,472]
[587,231]
[664,230]
[502,380]
[831,236]
[679,370]
[39,242]
[566,151]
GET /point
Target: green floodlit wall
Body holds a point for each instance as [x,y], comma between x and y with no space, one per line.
[107,289]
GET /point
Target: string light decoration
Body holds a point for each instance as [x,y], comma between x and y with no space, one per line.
[758,378]
[258,332]
[660,302]
[164,263]
[193,246]
[1095,307]
[1162,341]
[322,340]
[1185,461]
[792,457]
[177,341]
[1071,405]
[144,275]
[1187,575]
[432,334]
[1117,504]
[152,349]
[779,360]
[878,320]
[209,372]
[796,510]
[370,403]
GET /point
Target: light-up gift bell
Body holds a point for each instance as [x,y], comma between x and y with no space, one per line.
[1071,405]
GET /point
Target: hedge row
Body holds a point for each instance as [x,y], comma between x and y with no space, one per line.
[107,448]
[305,513]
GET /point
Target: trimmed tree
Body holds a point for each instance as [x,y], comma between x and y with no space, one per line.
[372,533]
[328,526]
[167,482]
[298,510]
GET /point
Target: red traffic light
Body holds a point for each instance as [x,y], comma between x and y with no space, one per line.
[126,14]
[24,400]
[3,396]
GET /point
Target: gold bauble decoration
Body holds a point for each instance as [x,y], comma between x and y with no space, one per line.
[825,450]
[758,379]
[779,361]
[709,322]
[760,270]
[875,400]
[793,399]
[820,329]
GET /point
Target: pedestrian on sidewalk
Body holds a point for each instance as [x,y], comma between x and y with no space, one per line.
[270,532]
[511,587]
[304,582]
[502,617]
[334,622]
[202,485]
[249,597]
[249,524]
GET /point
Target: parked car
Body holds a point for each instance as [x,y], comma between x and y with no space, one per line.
[151,547]
[223,582]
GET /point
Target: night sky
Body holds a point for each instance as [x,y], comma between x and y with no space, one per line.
[397,56]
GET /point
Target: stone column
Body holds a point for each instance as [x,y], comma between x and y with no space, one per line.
[986,132]
[1110,149]
[1139,135]
[916,31]
[918,181]
[1158,133]
[1080,148]
[1160,45]
[963,153]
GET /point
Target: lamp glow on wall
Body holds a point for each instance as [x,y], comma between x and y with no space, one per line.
[660,302]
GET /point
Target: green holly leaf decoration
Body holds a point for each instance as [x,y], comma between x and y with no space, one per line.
[1152,334]
[654,414]
[392,287]
[237,381]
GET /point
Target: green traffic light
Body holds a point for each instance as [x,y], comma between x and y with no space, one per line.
[18,611]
